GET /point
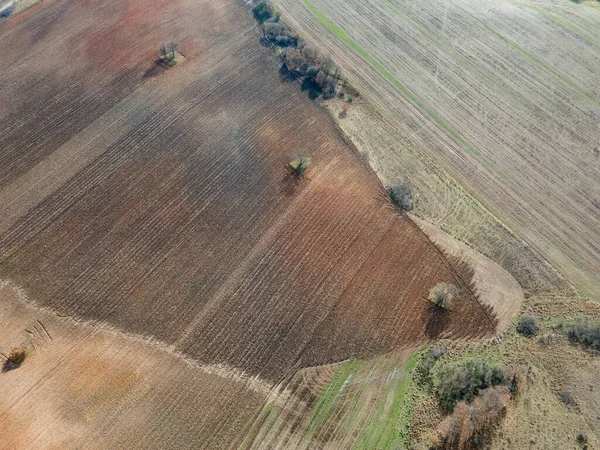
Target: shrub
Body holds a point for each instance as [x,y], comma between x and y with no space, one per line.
[582,437]
[428,361]
[300,164]
[280,34]
[528,325]
[566,397]
[586,332]
[442,295]
[402,196]
[462,382]
[168,52]
[15,358]
[264,11]
[465,427]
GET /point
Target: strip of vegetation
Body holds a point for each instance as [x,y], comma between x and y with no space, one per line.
[389,426]
[318,72]
[584,331]
[326,401]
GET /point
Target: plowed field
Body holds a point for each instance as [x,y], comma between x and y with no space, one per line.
[157,201]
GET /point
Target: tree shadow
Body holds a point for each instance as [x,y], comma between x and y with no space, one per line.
[311,88]
[156,68]
[10,365]
[8,11]
[291,182]
[438,319]
[287,75]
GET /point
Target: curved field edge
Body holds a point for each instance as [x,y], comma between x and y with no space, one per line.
[84,385]
[415,67]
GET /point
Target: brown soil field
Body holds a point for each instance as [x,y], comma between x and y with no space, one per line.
[503,95]
[156,203]
[161,204]
[86,386]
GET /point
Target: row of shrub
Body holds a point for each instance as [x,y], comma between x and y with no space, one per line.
[299,59]
[584,331]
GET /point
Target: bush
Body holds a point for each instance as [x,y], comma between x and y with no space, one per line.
[582,437]
[528,325]
[15,358]
[454,383]
[566,397]
[442,295]
[168,52]
[428,361]
[586,332]
[280,34]
[300,164]
[264,11]
[465,427]
[402,196]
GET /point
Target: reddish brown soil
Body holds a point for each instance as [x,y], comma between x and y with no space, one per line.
[178,220]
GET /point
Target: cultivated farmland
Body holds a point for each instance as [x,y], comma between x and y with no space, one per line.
[157,202]
[504,95]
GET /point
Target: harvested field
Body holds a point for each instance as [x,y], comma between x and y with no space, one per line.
[162,206]
[85,386]
[502,94]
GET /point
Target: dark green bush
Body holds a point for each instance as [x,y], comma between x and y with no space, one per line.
[428,361]
[462,382]
[528,325]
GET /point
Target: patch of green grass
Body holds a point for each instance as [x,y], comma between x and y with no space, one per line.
[343,36]
[389,426]
[326,401]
